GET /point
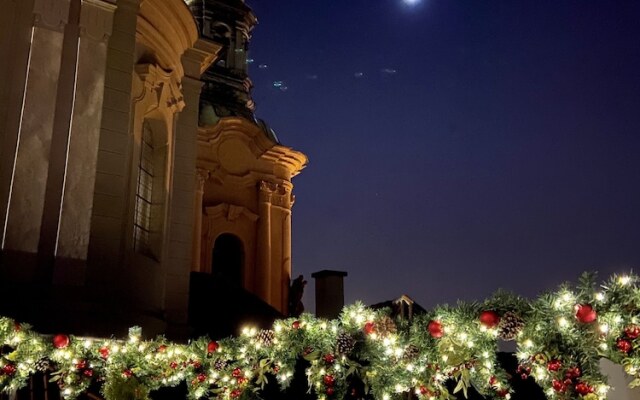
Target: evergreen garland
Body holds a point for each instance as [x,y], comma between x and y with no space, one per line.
[560,338]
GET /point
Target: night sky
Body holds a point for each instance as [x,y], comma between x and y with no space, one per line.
[456,147]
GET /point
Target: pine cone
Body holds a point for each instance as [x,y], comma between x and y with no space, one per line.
[219,365]
[265,337]
[345,343]
[510,325]
[386,326]
[43,365]
[411,352]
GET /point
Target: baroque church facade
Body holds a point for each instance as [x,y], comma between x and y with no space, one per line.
[131,162]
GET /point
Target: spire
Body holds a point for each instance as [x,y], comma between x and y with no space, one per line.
[227,87]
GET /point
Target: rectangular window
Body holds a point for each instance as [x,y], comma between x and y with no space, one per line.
[144,193]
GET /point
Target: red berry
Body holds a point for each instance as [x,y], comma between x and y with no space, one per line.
[235,393]
[296,324]
[624,345]
[554,365]
[632,331]
[236,372]
[104,352]
[489,318]
[202,377]
[212,347]
[435,329]
[173,364]
[585,313]
[9,369]
[330,391]
[369,328]
[329,358]
[60,341]
[82,364]
[574,372]
[328,380]
[88,373]
[558,386]
[583,389]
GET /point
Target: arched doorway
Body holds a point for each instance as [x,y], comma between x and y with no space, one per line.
[227,261]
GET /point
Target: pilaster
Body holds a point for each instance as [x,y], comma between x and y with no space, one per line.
[95,27]
[113,163]
[31,136]
[201,177]
[263,266]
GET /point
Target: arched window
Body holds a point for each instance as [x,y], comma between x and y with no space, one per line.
[144,192]
[228,259]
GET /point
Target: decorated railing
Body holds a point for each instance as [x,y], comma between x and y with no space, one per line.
[560,338]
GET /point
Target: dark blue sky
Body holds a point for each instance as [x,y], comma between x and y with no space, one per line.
[456,146]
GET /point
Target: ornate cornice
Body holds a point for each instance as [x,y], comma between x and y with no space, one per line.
[163,84]
[230,212]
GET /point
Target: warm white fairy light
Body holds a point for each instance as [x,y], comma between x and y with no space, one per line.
[562,322]
[604,328]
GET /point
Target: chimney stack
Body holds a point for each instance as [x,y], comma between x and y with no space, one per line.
[329,293]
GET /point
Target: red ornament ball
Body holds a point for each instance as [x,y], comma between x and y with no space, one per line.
[9,369]
[212,347]
[88,373]
[202,377]
[554,365]
[489,318]
[61,341]
[632,331]
[82,364]
[236,372]
[235,393]
[329,380]
[296,324]
[329,358]
[583,388]
[104,352]
[624,345]
[330,391]
[435,329]
[369,328]
[585,313]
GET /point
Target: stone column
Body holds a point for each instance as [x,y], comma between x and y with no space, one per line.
[201,177]
[74,226]
[179,260]
[33,132]
[286,262]
[281,258]
[263,270]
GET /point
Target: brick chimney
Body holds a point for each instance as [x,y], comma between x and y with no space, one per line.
[329,293]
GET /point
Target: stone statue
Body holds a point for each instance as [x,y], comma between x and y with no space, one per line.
[295,296]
